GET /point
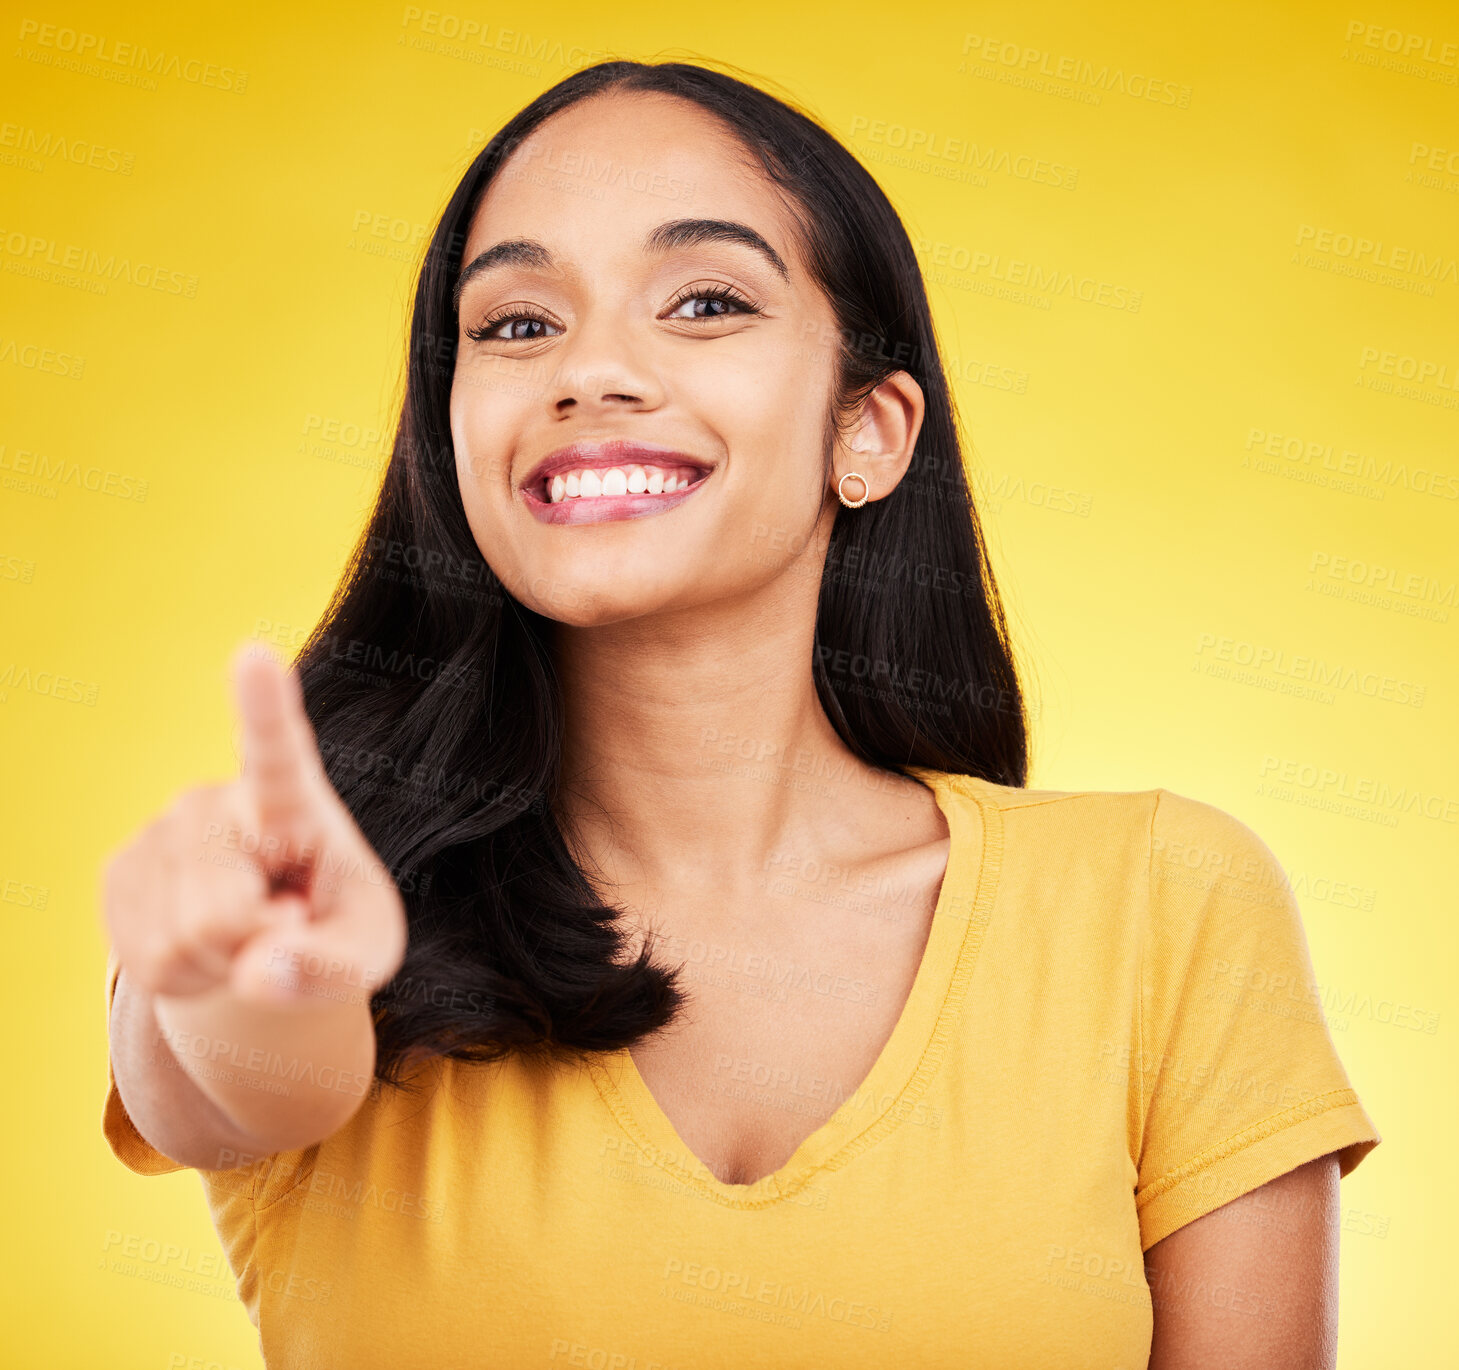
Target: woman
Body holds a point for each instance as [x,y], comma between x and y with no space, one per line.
[631,941]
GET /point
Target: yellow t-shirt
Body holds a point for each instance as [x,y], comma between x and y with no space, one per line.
[1114,1030]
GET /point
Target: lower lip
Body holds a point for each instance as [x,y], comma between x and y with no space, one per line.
[608,508]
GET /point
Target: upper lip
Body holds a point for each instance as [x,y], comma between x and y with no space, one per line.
[607,453]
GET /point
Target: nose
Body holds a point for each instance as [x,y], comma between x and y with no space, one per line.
[604,369]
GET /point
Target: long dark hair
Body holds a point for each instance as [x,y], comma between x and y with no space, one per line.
[433,693]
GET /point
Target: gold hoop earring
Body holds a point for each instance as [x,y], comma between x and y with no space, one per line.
[841,494]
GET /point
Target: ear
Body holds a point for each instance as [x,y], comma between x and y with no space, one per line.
[880,445]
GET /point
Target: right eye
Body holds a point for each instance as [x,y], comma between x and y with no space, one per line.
[517,324]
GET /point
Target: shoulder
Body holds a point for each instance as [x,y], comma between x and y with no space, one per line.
[1095,819]
[1015,798]
[1170,821]
[1173,845]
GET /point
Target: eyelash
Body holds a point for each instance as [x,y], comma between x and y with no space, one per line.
[482,332]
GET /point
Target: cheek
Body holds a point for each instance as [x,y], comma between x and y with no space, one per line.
[478,428]
[769,411]
[772,419]
[788,494]
[458,431]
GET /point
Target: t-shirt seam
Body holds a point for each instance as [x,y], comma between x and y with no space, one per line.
[623,1114]
[303,1174]
[1245,1139]
[969,951]
[989,877]
[1004,805]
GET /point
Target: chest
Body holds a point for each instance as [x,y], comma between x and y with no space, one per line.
[983,1182]
[784,1023]
[525,1207]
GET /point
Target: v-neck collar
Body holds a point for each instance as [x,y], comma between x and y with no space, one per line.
[912,1054]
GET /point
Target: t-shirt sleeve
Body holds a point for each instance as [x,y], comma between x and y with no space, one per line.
[1239,1078]
[127,1144]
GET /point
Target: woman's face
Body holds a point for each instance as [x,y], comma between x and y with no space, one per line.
[638,407]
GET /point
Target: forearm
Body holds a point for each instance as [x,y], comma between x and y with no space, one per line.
[221,1080]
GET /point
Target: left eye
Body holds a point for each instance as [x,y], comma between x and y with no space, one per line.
[718,305]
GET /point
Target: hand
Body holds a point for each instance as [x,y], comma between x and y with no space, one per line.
[263,886]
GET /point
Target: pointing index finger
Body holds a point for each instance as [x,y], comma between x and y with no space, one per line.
[280,759]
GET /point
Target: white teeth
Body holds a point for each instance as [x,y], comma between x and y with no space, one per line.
[592,483]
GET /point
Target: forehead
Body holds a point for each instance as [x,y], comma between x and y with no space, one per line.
[603,173]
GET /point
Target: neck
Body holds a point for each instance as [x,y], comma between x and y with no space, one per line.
[689,739]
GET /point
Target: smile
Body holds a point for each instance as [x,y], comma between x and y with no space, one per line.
[602,484]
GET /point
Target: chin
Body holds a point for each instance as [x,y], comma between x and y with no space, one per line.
[588,602]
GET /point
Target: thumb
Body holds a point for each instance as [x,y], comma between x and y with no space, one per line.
[270,966]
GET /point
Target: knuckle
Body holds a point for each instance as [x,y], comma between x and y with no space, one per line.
[213,907]
[200,804]
[234,797]
[173,966]
[148,971]
[141,975]
[183,816]
[190,932]
[188,801]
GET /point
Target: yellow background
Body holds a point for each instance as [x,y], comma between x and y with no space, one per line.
[1147,542]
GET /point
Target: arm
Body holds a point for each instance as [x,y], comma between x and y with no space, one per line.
[213,1083]
[1252,1285]
[253,920]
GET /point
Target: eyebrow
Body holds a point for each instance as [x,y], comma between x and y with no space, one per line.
[667,237]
